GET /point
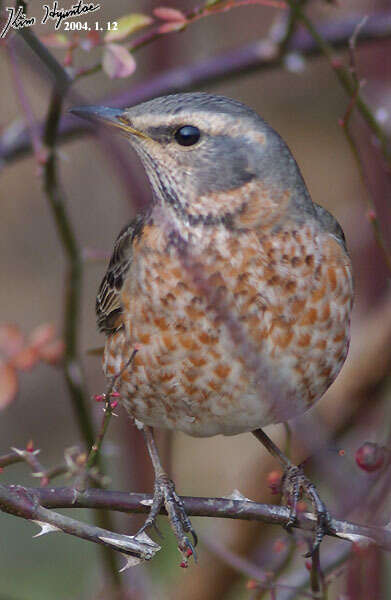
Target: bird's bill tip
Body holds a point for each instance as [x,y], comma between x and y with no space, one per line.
[107,116]
[96,113]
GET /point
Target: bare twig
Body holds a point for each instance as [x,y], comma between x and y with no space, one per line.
[346,80]
[17,456]
[108,411]
[20,501]
[30,457]
[203,507]
[265,580]
[11,458]
[315,577]
[72,365]
[59,75]
[32,124]
[332,559]
[345,124]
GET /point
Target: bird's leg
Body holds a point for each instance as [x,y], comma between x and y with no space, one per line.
[295,483]
[164,493]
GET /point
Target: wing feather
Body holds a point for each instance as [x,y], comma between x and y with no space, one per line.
[108,300]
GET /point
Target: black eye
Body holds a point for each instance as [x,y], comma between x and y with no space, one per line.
[187,135]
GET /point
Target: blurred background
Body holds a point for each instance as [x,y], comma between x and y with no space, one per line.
[303,101]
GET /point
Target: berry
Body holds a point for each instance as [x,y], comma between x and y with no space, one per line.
[370,457]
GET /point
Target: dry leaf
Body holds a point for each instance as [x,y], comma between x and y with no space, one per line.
[117,61]
[42,335]
[26,359]
[165,13]
[128,25]
[11,340]
[173,26]
[53,352]
[8,384]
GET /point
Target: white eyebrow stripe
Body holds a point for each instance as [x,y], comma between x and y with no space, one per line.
[210,122]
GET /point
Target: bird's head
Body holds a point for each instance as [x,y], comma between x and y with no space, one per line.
[211,159]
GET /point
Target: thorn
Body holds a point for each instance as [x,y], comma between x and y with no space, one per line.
[23,452]
[144,538]
[45,528]
[237,495]
[131,561]
[128,542]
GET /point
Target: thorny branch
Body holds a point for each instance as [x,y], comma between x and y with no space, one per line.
[22,502]
[110,404]
[229,508]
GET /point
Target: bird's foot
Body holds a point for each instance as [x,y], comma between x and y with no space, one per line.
[164,493]
[294,485]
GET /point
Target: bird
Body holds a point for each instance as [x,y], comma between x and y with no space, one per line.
[226,304]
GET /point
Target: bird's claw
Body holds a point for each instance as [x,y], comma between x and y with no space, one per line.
[294,485]
[164,493]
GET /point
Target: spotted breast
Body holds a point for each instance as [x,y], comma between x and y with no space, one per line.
[287,289]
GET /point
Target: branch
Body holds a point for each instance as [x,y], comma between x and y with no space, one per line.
[258,578]
[345,124]
[72,366]
[345,79]
[227,508]
[253,57]
[25,503]
[332,559]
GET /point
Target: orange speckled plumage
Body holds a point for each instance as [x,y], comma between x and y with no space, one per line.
[291,292]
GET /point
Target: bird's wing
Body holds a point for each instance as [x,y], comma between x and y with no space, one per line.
[330,225]
[108,300]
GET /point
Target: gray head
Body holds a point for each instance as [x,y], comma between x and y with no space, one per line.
[201,150]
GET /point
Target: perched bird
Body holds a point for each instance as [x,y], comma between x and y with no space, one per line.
[233,286]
